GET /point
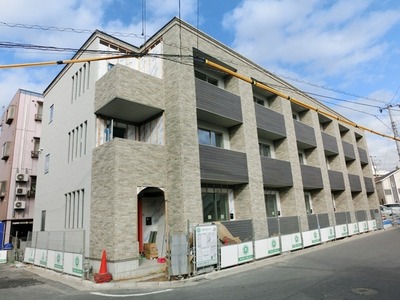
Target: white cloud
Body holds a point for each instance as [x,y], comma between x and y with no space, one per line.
[321,38]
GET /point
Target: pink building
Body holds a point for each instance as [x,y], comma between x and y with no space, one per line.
[19,152]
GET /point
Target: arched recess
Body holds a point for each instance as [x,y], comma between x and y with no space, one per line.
[151,218]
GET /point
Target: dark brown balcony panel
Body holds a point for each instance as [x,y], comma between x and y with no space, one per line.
[336,181]
[355,183]
[348,151]
[222,166]
[305,135]
[369,185]
[311,176]
[217,105]
[276,173]
[363,156]
[330,144]
[270,124]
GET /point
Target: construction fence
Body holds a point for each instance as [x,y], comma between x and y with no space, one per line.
[224,244]
[61,251]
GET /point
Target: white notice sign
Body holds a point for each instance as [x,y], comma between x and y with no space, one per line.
[206,246]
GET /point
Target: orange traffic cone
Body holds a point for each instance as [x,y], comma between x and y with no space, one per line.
[103,275]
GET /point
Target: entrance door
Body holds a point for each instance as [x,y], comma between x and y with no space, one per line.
[151,219]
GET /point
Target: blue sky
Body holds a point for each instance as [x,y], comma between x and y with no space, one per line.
[351,48]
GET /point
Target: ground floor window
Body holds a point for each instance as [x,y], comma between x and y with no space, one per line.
[215,204]
[272,204]
[307,198]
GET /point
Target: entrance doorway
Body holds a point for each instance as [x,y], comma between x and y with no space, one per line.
[151,220]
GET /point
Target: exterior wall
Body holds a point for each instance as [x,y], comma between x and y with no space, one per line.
[390,182]
[112,174]
[21,133]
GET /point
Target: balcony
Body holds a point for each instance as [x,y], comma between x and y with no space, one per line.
[355,183]
[311,176]
[122,94]
[215,105]
[348,151]
[270,124]
[330,144]
[222,166]
[363,156]
[336,181]
[305,135]
[276,173]
[369,185]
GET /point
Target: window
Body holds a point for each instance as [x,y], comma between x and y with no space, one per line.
[32,190]
[110,66]
[302,158]
[3,188]
[47,164]
[43,221]
[215,205]
[296,116]
[307,199]
[39,112]
[74,203]
[328,165]
[258,100]
[51,113]
[36,145]
[272,204]
[266,149]
[206,78]
[333,202]
[5,150]
[211,138]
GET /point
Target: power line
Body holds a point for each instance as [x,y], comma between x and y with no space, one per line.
[66,29]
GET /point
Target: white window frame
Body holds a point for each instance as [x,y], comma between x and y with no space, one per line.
[220,79]
[308,195]
[231,203]
[225,133]
[47,163]
[302,154]
[278,201]
[269,143]
[51,113]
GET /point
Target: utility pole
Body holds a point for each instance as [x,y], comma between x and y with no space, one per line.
[394,128]
[395,132]
[373,165]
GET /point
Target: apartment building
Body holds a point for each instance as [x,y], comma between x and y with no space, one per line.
[152,142]
[20,148]
[388,187]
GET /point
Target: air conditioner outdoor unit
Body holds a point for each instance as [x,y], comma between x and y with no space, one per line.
[20,191]
[22,177]
[19,205]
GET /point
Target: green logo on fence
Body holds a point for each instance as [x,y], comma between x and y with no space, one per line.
[273,243]
[76,261]
[296,239]
[245,249]
[315,234]
[330,231]
[58,258]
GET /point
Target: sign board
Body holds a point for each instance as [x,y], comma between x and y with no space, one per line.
[245,252]
[3,256]
[327,234]
[206,246]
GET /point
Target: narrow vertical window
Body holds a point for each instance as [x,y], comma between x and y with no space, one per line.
[84,79]
[85,138]
[88,75]
[78,210]
[72,144]
[76,141]
[66,209]
[51,113]
[76,86]
[80,81]
[72,89]
[83,205]
[69,147]
[47,163]
[43,221]
[81,140]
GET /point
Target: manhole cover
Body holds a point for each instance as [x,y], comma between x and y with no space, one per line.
[364,291]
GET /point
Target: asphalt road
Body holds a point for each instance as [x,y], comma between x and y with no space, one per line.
[360,267]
